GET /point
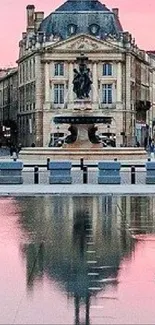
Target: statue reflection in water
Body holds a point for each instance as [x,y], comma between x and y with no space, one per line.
[63,252]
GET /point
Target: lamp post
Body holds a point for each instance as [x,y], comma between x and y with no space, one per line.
[108,130]
[58,132]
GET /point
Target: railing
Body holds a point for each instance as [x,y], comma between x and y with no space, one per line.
[84,172]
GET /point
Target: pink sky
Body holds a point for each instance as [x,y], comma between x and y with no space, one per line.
[137,16]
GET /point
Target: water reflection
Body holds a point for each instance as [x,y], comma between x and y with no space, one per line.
[80,243]
[77,242]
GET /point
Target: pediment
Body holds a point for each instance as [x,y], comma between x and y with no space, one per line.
[83,43]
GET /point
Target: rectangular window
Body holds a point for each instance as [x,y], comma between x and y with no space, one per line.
[59,69]
[107,69]
[27,70]
[1,98]
[107,94]
[20,75]
[59,94]
[33,68]
[30,67]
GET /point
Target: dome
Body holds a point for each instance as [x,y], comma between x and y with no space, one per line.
[82,5]
[81,16]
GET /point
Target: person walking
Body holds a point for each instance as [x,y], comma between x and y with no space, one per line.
[152,149]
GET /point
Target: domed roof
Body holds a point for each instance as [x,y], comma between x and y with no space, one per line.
[82,5]
[81,16]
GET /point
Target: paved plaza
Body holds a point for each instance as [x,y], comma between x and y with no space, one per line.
[77,187]
[74,189]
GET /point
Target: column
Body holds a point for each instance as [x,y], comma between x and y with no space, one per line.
[128,113]
[119,82]
[70,83]
[47,82]
[95,84]
[39,102]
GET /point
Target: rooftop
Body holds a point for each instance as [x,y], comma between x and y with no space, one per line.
[82,5]
[82,16]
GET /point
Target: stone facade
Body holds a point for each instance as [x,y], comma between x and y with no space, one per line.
[123,82]
[8,105]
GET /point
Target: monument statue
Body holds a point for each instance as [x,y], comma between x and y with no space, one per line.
[82,82]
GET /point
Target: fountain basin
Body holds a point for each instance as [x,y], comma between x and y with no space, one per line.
[74,154]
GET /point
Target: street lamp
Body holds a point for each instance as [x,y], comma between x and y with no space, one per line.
[108,130]
[58,131]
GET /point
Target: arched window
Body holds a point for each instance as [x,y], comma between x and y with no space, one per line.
[72,29]
[107,69]
[94,29]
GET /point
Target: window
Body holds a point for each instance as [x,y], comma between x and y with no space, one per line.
[20,75]
[59,94]
[94,29]
[107,69]
[24,74]
[72,29]
[107,94]
[27,70]
[30,69]
[1,98]
[33,67]
[59,69]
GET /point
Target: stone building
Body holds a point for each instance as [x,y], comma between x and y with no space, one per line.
[8,105]
[152,93]
[50,50]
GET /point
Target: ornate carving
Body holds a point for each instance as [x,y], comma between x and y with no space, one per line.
[83,44]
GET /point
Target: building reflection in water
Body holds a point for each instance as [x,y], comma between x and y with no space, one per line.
[80,242]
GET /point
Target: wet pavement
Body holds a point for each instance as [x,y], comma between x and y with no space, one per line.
[77,260]
[4,152]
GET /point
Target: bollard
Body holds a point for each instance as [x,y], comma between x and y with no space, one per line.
[14,155]
[81,163]
[36,175]
[48,161]
[85,175]
[133,175]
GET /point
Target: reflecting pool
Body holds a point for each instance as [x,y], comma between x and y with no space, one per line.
[77,260]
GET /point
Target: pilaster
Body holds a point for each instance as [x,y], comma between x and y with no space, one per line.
[119,83]
[127,117]
[95,83]
[39,101]
[70,83]
[47,83]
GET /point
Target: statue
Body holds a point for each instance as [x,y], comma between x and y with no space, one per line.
[82,82]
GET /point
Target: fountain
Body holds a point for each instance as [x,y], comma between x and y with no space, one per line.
[82,122]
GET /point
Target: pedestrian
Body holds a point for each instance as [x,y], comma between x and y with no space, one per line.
[152,149]
[11,149]
[19,147]
[145,143]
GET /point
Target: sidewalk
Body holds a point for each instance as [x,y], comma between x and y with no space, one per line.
[76,189]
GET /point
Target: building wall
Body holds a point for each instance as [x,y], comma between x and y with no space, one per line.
[132,83]
[8,106]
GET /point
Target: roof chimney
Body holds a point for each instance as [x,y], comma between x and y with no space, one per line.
[39,16]
[115,11]
[30,17]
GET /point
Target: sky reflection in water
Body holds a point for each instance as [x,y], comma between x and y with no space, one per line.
[77,260]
